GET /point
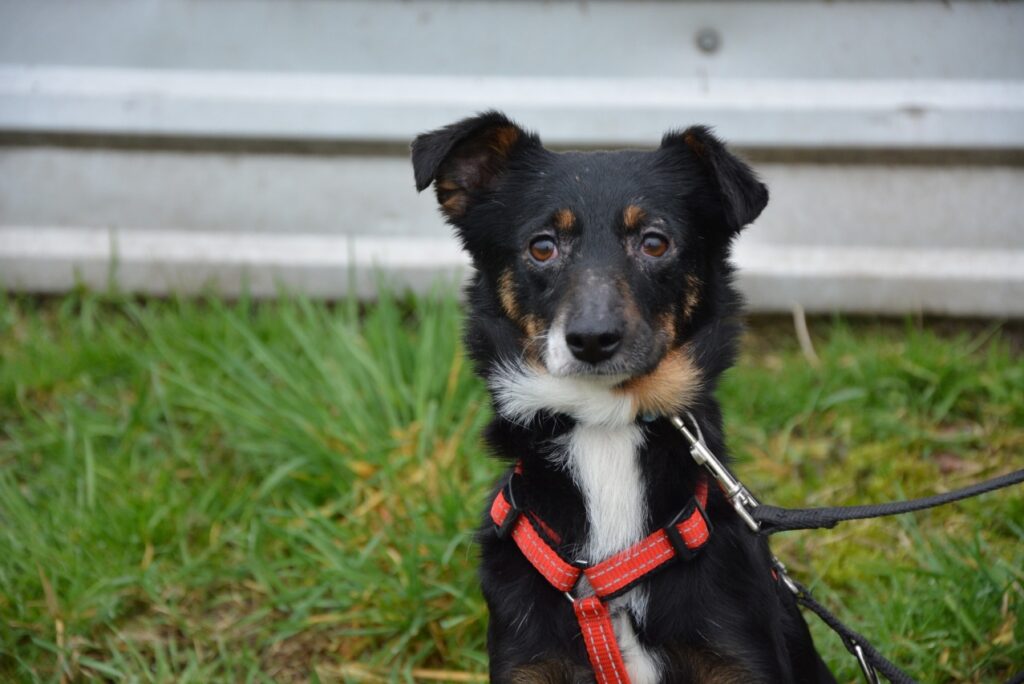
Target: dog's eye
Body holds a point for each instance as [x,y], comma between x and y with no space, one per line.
[654,245]
[543,249]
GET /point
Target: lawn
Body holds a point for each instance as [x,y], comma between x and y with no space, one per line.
[197,491]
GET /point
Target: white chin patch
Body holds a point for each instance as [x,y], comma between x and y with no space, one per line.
[521,392]
[557,356]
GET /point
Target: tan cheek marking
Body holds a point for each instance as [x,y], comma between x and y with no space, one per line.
[451,196]
[530,324]
[453,205]
[564,219]
[507,295]
[668,326]
[692,299]
[633,216]
[629,305]
[534,347]
[669,388]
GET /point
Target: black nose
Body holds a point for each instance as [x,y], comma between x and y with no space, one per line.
[593,346]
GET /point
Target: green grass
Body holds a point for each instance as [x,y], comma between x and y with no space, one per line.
[198,491]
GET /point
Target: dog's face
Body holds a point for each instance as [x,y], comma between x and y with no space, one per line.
[601,260]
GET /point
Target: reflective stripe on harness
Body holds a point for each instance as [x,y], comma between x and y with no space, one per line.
[599,636]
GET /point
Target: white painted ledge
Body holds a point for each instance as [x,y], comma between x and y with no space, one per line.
[773,278]
[40,259]
[765,112]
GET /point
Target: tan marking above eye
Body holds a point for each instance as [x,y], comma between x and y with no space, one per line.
[564,219]
[633,216]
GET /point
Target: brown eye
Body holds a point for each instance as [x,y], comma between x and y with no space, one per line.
[654,245]
[543,248]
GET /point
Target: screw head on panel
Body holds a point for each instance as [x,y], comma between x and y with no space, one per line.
[708,40]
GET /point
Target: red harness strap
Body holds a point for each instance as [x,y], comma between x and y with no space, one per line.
[599,636]
[681,538]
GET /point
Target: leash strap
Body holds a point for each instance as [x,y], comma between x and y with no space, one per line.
[857,645]
[774,519]
[599,636]
[768,520]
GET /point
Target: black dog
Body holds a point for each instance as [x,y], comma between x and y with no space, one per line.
[601,305]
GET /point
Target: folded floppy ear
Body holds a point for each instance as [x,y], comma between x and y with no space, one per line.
[742,194]
[466,158]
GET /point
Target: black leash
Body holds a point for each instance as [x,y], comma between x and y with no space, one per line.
[860,648]
[768,520]
[774,519]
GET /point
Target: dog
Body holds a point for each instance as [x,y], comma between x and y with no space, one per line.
[601,305]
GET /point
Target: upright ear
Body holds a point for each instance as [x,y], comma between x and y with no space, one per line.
[742,194]
[466,158]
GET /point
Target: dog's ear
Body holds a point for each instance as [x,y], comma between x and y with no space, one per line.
[466,158]
[742,195]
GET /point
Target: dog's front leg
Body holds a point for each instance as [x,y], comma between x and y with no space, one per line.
[532,635]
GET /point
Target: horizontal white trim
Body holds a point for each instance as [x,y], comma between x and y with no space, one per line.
[621,93]
[252,249]
[749,112]
[773,277]
[906,264]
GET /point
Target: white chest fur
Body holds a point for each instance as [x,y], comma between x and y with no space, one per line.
[601,456]
[603,462]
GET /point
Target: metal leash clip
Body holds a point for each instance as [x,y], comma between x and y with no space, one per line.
[870,676]
[787,581]
[738,495]
[743,501]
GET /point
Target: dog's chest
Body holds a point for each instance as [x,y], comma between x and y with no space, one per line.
[604,462]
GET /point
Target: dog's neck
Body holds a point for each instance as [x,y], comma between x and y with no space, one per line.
[616,475]
[600,478]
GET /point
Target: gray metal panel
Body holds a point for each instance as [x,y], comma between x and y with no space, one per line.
[865,234]
[759,40]
[792,74]
[827,204]
[752,113]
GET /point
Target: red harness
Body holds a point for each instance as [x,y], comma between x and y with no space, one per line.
[681,538]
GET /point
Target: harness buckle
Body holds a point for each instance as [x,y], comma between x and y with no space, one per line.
[582,565]
[675,538]
[508,524]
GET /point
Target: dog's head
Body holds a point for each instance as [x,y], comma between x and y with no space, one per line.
[595,267]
